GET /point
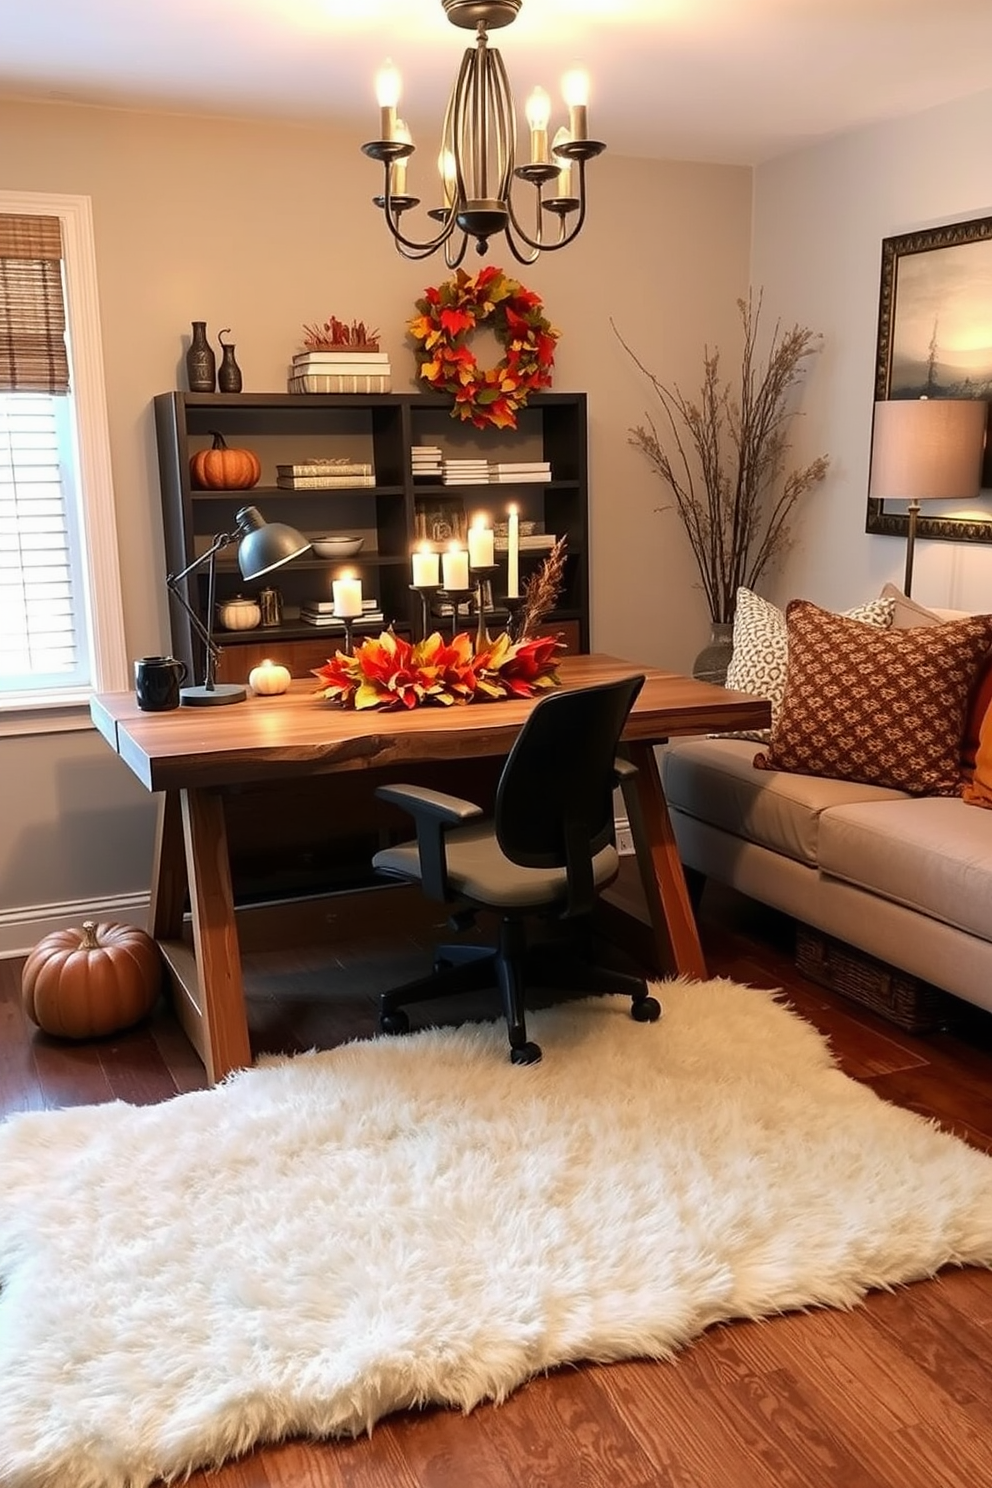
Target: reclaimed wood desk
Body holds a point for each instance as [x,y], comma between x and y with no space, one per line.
[195,755]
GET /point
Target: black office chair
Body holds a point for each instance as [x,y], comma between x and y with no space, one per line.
[547,850]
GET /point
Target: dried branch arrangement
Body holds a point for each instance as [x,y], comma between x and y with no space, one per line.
[540,592]
[723,458]
[335,335]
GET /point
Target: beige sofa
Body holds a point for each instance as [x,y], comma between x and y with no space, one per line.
[907,879]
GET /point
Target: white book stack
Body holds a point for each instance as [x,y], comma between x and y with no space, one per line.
[521,473]
[531,542]
[426,460]
[465,472]
[321,612]
[344,371]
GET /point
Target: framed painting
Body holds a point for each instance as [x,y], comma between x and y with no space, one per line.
[935,340]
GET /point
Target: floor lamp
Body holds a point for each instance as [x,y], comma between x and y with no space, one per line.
[262,547]
[926,449]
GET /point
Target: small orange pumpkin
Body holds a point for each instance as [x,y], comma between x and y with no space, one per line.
[223,468]
[81,984]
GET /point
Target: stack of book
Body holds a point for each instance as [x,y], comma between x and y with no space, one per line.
[426,460]
[465,472]
[325,475]
[321,612]
[528,542]
[344,371]
[521,472]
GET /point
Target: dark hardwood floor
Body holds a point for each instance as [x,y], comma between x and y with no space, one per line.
[896,1394]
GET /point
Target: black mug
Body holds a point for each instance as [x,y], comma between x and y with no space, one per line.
[157,680]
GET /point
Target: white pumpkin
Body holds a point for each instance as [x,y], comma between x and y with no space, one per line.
[269,679]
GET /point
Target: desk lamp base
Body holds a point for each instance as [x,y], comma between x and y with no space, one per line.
[212,697]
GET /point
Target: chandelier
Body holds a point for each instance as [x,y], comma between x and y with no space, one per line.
[477,164]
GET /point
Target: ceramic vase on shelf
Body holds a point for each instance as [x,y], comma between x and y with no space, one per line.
[201,363]
[229,373]
[712,662]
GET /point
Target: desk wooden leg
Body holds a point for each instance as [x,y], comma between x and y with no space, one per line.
[169,884]
[224,1044]
[673,922]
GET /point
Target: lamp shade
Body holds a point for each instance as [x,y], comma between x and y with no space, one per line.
[266,545]
[928,449]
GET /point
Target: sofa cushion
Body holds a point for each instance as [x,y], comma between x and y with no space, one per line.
[932,855]
[885,707]
[714,780]
[908,613]
[760,655]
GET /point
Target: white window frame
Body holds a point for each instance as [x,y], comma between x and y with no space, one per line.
[56,710]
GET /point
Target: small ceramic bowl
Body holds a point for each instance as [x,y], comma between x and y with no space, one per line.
[337,547]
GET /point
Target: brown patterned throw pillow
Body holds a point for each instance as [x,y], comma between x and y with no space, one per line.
[886,707]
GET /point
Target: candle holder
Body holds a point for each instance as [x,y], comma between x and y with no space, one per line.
[456,598]
[480,575]
[348,622]
[426,592]
[514,607]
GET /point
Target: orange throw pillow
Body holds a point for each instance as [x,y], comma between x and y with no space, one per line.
[978,792]
[979,703]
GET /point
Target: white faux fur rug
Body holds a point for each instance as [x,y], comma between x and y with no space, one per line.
[329,1238]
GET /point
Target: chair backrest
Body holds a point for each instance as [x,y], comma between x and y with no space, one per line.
[554,801]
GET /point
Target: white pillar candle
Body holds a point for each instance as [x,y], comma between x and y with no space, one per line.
[454,568]
[347,597]
[426,568]
[513,554]
[481,543]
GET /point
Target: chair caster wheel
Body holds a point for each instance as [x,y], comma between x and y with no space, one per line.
[395,1022]
[647,1010]
[525,1054]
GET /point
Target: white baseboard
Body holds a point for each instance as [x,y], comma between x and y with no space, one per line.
[22,928]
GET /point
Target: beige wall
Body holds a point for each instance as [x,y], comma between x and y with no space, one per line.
[262,227]
[820,217]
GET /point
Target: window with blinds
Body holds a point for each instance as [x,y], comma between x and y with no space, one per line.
[40,580]
[61,630]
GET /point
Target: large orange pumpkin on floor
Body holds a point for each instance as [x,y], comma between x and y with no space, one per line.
[223,467]
[85,983]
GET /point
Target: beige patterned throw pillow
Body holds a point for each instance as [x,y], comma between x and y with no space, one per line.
[761,650]
[885,707]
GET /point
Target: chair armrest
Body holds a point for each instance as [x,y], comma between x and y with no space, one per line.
[430,804]
[623,770]
[433,813]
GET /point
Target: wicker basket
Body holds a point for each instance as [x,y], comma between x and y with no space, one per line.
[904,1000]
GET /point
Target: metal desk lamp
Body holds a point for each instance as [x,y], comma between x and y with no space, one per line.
[262,547]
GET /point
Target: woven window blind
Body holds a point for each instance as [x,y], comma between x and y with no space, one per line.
[33,356]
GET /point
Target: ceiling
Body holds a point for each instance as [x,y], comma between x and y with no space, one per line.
[731,81]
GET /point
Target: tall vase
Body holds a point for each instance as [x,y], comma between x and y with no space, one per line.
[201,364]
[712,662]
[229,373]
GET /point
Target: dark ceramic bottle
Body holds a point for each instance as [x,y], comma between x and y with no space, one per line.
[229,375]
[201,364]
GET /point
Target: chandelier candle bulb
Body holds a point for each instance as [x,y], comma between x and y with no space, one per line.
[538,111]
[446,170]
[426,568]
[575,91]
[397,172]
[387,89]
[513,553]
[454,569]
[347,597]
[564,186]
[481,544]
